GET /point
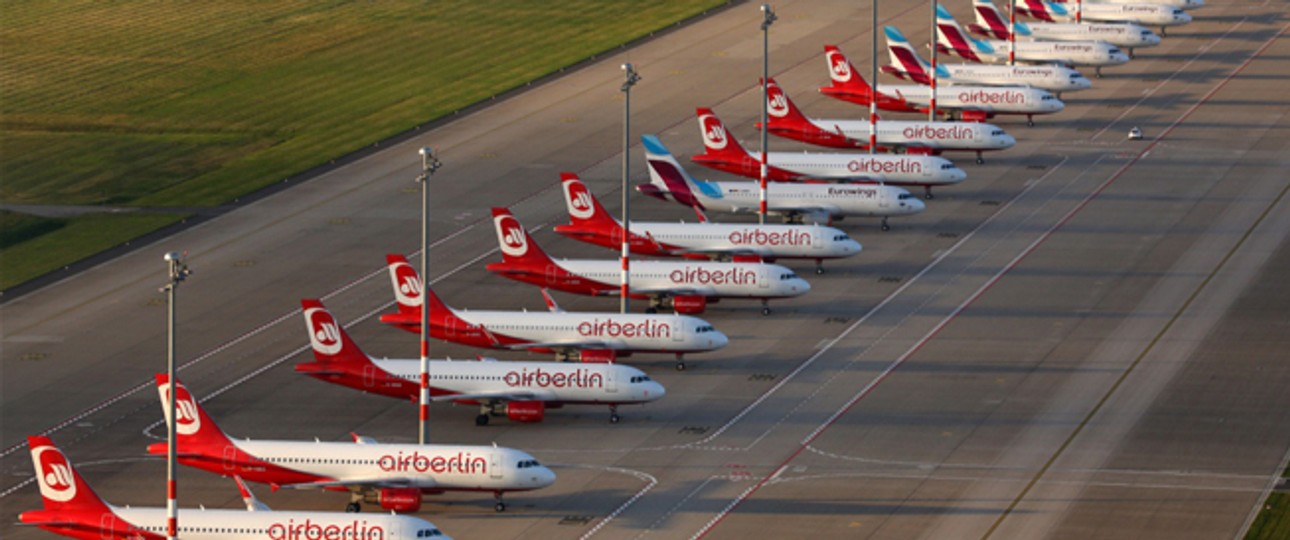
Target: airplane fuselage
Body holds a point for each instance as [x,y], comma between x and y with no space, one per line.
[770,240]
[662,278]
[903,170]
[937,136]
[212,524]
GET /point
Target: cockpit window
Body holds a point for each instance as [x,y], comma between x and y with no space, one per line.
[904,196]
[997,132]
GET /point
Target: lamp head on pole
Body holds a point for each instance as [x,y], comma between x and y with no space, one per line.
[631,77]
[429,163]
[178,269]
[768,17]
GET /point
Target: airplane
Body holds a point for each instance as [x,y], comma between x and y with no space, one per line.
[820,203]
[594,337]
[687,287]
[1180,4]
[724,153]
[952,39]
[974,103]
[1140,13]
[393,476]
[589,222]
[907,64]
[990,22]
[71,508]
[521,391]
[915,136]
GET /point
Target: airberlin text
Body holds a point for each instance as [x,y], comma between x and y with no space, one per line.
[579,378]
[462,463]
[731,276]
[894,164]
[308,530]
[612,328]
[763,238]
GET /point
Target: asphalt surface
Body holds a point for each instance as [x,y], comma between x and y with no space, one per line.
[1084,339]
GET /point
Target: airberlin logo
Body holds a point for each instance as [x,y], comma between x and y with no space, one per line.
[579,200]
[714,134]
[885,166]
[703,276]
[992,97]
[54,474]
[839,68]
[937,133]
[308,530]
[778,103]
[407,286]
[462,463]
[323,332]
[610,328]
[762,238]
[510,236]
[187,421]
[578,378]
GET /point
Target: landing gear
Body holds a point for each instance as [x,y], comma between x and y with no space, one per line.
[1097,72]
[482,419]
[765,308]
[927,192]
[1131,55]
[885,226]
[680,363]
[979,158]
[500,506]
[819,266]
[353,507]
[613,414]
[651,310]
[1163,33]
[1030,120]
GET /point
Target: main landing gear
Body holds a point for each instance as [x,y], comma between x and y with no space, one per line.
[353,507]
[482,419]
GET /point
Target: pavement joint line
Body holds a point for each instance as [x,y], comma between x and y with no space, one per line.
[1178,313]
[677,506]
[650,480]
[964,478]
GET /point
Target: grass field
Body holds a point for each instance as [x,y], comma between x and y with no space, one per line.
[189,104]
[1273,521]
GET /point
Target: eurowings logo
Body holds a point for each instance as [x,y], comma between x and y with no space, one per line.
[187,421]
[54,474]
[714,134]
[324,335]
[839,68]
[407,286]
[579,200]
[510,236]
[778,104]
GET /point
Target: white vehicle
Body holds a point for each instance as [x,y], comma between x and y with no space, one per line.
[990,22]
[907,64]
[520,391]
[819,203]
[1141,13]
[973,103]
[393,476]
[915,137]
[586,336]
[952,39]
[73,509]
[589,222]
[686,286]
[724,153]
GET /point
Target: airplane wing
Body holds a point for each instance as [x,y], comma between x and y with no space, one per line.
[567,344]
[675,291]
[729,251]
[503,395]
[388,482]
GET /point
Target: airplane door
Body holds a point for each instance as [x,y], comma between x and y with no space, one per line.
[230,457]
[106,524]
[369,376]
[817,238]
[551,274]
[495,471]
[884,199]
[611,384]
[765,277]
[676,331]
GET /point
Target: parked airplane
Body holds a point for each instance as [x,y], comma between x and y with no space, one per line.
[73,509]
[589,222]
[724,153]
[1181,4]
[587,336]
[974,103]
[686,287]
[990,22]
[820,203]
[393,476]
[952,39]
[520,391]
[915,136]
[1140,13]
[907,64]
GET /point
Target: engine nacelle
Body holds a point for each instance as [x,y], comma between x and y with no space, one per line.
[970,115]
[920,150]
[400,500]
[597,356]
[746,259]
[689,304]
[526,411]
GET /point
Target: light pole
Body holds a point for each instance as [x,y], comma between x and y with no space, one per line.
[931,112]
[873,76]
[176,271]
[768,18]
[429,164]
[630,79]
[1012,32]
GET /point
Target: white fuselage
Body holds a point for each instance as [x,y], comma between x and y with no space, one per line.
[206,524]
[615,331]
[552,382]
[1076,53]
[435,466]
[1050,77]
[1124,34]
[703,278]
[771,240]
[934,135]
[991,99]
[1141,13]
[899,169]
[1180,4]
[862,200]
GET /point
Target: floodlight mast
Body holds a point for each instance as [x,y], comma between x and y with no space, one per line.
[429,164]
[630,79]
[176,271]
[768,18]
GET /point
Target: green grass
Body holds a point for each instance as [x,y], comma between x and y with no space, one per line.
[16,228]
[161,103]
[76,240]
[1273,521]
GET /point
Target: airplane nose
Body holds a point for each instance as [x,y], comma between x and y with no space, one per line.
[958,175]
[543,478]
[915,205]
[801,286]
[719,340]
[1007,141]
[1183,17]
[654,390]
[854,247]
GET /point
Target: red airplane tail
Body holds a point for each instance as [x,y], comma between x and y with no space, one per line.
[989,22]
[785,120]
[518,248]
[717,140]
[847,85]
[409,289]
[338,359]
[584,209]
[196,432]
[71,506]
